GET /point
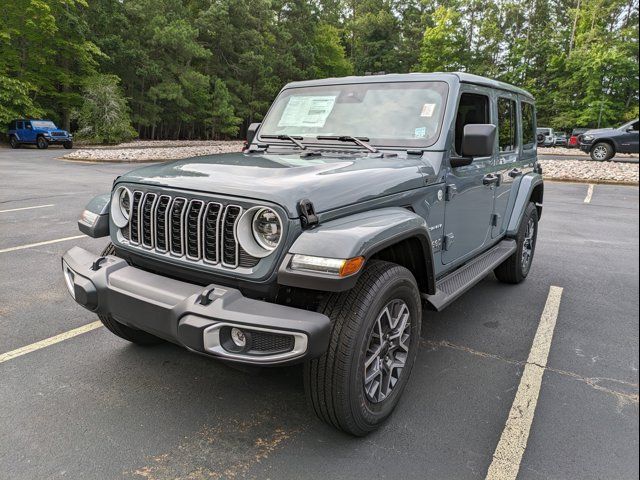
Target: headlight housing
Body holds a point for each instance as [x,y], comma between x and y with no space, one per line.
[587,138]
[121,206]
[259,231]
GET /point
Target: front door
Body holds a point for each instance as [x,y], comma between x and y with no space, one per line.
[629,140]
[469,195]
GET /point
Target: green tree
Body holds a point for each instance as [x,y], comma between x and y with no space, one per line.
[104,114]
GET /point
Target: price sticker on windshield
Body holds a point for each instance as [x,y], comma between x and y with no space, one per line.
[307,111]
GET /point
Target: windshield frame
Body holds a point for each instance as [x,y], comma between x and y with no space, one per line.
[375,142]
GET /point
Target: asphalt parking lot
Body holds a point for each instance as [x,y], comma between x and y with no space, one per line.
[95,407]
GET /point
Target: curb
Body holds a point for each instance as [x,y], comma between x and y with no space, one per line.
[593,181]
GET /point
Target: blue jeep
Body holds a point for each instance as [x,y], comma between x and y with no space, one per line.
[41,133]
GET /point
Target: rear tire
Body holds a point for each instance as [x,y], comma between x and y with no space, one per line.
[13,141]
[516,268]
[375,329]
[127,333]
[42,143]
[602,152]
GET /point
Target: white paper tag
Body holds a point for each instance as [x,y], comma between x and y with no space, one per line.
[420,132]
[307,111]
[428,109]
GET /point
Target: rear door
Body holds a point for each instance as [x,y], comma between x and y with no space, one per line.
[29,135]
[516,152]
[469,202]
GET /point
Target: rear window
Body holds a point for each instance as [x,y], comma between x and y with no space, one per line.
[528,126]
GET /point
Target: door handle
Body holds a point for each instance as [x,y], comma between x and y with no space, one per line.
[491,179]
[515,173]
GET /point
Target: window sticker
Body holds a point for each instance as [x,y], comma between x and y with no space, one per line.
[307,111]
[420,132]
[428,109]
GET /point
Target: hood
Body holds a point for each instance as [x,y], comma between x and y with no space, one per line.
[285,179]
[599,131]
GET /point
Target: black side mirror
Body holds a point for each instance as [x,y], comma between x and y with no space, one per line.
[251,132]
[478,140]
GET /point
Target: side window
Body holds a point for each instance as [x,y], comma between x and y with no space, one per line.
[473,108]
[528,126]
[635,127]
[28,126]
[19,125]
[507,125]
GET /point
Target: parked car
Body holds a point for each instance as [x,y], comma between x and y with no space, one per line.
[41,133]
[356,200]
[574,139]
[545,137]
[602,144]
[560,139]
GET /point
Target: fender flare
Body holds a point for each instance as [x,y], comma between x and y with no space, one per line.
[96,225]
[361,234]
[527,185]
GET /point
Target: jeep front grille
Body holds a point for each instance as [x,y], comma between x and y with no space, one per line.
[195,230]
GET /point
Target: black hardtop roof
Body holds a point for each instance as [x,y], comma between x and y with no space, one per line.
[462,77]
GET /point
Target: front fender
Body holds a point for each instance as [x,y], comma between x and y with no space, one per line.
[94,220]
[527,185]
[362,234]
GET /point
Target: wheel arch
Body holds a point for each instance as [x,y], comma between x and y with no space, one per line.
[530,189]
[393,234]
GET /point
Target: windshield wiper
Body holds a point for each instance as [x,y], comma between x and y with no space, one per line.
[294,140]
[348,138]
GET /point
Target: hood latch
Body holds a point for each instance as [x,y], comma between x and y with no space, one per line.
[308,217]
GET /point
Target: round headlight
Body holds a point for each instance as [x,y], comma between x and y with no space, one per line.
[121,206]
[259,231]
[267,228]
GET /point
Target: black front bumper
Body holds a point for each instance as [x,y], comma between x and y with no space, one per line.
[191,315]
[586,147]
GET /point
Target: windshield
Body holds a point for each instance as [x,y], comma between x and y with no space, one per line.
[43,124]
[387,114]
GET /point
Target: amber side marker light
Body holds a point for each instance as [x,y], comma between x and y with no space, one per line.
[351,266]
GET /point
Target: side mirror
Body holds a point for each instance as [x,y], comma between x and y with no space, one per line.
[251,132]
[478,140]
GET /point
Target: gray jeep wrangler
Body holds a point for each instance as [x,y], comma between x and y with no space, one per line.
[356,202]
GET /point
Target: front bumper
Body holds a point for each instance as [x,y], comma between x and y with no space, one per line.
[586,147]
[191,315]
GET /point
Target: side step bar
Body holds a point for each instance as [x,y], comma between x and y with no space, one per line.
[459,281]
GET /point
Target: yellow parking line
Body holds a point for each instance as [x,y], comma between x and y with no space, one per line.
[513,441]
[26,208]
[587,199]
[49,341]
[31,245]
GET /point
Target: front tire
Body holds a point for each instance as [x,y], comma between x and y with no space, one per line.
[13,141]
[375,334]
[42,143]
[602,152]
[68,145]
[516,268]
[132,335]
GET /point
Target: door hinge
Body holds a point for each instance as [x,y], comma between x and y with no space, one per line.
[494,219]
[308,217]
[450,191]
[449,238]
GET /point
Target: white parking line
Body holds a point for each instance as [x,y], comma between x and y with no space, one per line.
[587,199]
[49,341]
[48,242]
[513,441]
[26,208]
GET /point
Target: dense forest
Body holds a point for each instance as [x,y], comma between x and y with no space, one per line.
[116,69]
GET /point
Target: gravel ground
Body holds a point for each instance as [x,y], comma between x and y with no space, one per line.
[137,152]
[576,151]
[590,172]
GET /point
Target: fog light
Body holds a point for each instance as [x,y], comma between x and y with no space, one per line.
[69,279]
[238,337]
